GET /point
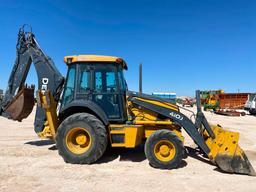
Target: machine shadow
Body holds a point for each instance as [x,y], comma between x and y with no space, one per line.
[124,154]
[133,154]
[221,171]
[40,142]
[43,143]
[197,154]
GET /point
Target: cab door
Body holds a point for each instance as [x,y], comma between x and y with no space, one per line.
[106,92]
[84,85]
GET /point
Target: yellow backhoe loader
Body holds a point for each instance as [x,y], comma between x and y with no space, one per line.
[96,109]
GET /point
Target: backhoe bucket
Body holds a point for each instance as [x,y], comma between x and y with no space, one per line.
[226,153]
[21,105]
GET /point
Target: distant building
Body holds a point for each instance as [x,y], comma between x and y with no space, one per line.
[166,95]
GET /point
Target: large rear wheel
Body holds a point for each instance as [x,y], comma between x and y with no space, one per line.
[81,139]
[164,150]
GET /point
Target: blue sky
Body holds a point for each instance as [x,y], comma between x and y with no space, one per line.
[184,45]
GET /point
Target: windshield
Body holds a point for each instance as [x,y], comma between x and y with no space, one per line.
[123,84]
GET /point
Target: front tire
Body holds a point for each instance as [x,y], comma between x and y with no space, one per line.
[81,139]
[164,149]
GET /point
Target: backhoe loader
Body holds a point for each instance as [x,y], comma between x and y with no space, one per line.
[92,108]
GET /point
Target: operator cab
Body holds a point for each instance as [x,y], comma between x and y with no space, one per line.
[98,79]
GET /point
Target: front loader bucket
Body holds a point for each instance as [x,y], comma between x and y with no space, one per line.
[226,153]
[21,105]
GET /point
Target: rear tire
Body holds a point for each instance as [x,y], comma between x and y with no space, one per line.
[164,149]
[81,139]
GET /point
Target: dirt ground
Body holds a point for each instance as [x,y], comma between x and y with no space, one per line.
[30,164]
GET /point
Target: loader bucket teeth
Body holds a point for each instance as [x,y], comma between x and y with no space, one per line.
[226,153]
[239,163]
[21,105]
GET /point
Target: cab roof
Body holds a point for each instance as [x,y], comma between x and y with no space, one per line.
[94,58]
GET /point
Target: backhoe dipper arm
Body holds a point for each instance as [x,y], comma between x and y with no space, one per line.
[49,78]
[19,70]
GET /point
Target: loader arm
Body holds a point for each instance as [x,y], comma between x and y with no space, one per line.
[179,118]
[221,146]
[18,99]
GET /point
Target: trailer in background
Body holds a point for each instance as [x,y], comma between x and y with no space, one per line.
[228,103]
[232,100]
[220,101]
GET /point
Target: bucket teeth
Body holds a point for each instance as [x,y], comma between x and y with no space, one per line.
[239,163]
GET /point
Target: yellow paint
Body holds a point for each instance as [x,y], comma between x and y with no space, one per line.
[118,144]
[78,140]
[81,139]
[136,134]
[46,133]
[142,116]
[132,135]
[94,58]
[225,142]
[164,150]
[160,103]
[149,130]
[138,122]
[46,100]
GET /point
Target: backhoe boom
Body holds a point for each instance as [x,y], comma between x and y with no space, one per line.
[19,97]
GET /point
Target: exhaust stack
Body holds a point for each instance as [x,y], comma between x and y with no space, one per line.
[140,79]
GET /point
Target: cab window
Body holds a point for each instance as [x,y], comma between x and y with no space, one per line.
[105,81]
[70,86]
[84,79]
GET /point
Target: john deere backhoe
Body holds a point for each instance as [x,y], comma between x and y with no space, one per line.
[96,109]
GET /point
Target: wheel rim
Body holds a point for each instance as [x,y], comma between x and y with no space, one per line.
[78,140]
[164,150]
